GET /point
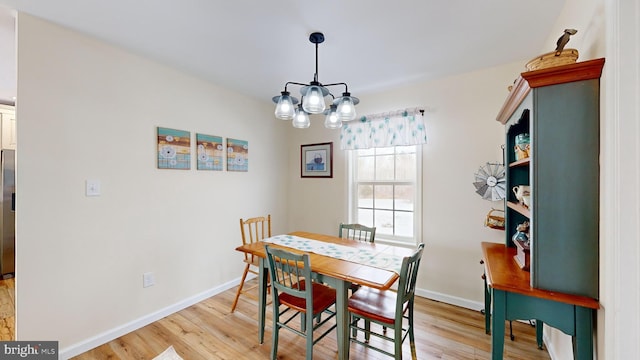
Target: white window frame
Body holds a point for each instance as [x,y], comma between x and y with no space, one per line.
[417,211]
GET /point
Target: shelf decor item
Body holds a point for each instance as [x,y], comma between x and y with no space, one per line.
[560,56]
[550,59]
[522,146]
[522,242]
[495,219]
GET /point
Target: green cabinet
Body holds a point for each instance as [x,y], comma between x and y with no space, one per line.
[559,109]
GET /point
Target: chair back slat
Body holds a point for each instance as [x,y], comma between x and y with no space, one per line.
[357,232]
[408,277]
[255,229]
[287,270]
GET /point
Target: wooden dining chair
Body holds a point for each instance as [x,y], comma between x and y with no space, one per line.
[357,232]
[293,288]
[252,230]
[388,308]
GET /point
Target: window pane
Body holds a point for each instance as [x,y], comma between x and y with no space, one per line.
[385,151]
[385,167]
[381,201]
[404,223]
[404,197]
[384,196]
[365,196]
[406,167]
[365,217]
[365,168]
[362,152]
[405,150]
[384,222]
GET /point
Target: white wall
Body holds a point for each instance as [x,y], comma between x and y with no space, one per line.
[619,317]
[462,135]
[87,110]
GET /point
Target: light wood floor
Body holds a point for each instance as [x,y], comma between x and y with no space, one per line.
[208,330]
[7,309]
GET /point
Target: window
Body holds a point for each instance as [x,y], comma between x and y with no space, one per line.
[385,191]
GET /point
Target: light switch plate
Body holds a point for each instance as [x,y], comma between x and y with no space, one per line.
[148,279]
[92,188]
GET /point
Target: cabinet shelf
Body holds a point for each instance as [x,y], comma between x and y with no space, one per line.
[519,208]
[521,162]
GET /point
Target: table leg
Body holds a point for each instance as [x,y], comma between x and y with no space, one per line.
[583,340]
[342,319]
[498,318]
[262,298]
[539,328]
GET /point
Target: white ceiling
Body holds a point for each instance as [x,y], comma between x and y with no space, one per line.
[255,47]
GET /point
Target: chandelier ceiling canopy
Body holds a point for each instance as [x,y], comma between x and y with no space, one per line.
[313,100]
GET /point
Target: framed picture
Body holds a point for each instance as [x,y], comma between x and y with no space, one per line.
[237,155]
[210,152]
[174,149]
[316,160]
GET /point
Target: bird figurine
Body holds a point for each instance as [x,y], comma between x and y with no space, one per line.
[564,39]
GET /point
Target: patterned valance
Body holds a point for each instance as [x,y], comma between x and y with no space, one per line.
[399,128]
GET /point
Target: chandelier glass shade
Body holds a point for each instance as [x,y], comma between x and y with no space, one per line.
[313,100]
[286,109]
[301,119]
[331,121]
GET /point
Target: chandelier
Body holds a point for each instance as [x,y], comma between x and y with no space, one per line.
[313,100]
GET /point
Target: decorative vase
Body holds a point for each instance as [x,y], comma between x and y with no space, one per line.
[522,146]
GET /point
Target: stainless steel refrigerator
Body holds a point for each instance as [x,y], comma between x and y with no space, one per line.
[7,213]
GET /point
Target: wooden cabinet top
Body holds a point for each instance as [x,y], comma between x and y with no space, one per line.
[584,70]
[503,273]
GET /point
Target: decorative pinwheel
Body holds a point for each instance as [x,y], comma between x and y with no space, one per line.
[490,182]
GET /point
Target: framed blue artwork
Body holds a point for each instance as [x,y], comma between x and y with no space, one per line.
[316,160]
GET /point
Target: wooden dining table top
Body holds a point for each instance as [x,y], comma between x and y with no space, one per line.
[353,272]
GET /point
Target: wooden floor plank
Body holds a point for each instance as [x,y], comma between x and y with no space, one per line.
[7,309]
[208,330]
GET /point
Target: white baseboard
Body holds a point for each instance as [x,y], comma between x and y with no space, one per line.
[453,300]
[549,345]
[84,346]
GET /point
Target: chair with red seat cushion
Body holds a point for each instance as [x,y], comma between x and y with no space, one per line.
[388,308]
[290,278]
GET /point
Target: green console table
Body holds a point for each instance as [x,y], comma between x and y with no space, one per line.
[509,292]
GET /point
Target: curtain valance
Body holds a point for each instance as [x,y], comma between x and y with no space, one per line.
[398,128]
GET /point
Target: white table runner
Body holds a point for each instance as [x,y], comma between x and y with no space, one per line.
[370,257]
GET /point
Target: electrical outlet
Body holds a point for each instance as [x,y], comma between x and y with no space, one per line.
[148,279]
[92,188]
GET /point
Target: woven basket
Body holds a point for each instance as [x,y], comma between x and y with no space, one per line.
[495,219]
[567,56]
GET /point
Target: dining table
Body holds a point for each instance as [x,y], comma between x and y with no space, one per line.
[367,264]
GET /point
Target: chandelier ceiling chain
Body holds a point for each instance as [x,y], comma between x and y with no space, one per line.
[313,102]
